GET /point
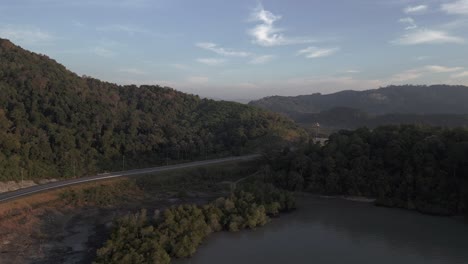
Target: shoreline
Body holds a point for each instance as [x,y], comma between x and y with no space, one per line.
[360,199]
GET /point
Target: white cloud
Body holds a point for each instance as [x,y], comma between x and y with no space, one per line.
[211,61]
[123,28]
[222,51]
[352,71]
[460,75]
[427,36]
[262,59]
[415,9]
[315,52]
[441,69]
[266,33]
[25,35]
[133,71]
[457,7]
[411,23]
[405,76]
[254,59]
[420,72]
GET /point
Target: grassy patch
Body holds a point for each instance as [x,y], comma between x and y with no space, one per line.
[202,179]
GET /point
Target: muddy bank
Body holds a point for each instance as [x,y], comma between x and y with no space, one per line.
[361,199]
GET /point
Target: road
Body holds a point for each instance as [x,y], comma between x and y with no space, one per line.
[9,196]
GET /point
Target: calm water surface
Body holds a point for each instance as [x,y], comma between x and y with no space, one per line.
[337,231]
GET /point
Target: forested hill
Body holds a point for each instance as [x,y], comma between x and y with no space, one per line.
[350,118]
[54,123]
[408,99]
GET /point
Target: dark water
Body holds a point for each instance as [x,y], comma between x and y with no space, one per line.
[338,231]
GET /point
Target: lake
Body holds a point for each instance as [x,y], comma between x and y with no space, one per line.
[325,230]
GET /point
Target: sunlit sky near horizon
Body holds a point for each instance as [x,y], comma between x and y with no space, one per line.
[248,49]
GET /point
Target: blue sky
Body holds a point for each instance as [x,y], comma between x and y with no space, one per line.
[248,49]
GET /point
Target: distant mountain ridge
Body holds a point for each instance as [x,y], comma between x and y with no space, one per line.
[407,99]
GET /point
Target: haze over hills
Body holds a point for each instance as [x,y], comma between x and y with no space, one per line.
[54,123]
[442,105]
[393,99]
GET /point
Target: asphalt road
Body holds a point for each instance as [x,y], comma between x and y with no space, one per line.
[9,196]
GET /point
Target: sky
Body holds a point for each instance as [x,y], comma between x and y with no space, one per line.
[244,49]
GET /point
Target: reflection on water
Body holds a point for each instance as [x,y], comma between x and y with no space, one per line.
[338,231]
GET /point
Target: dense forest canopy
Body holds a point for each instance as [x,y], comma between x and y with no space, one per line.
[350,118]
[415,167]
[54,123]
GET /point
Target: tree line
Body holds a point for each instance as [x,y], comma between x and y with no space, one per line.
[416,167]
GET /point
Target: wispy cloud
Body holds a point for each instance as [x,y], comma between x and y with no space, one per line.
[25,35]
[78,24]
[181,66]
[107,48]
[421,71]
[267,34]
[262,59]
[457,7]
[415,9]
[460,75]
[198,79]
[133,71]
[211,61]
[441,69]
[222,51]
[123,28]
[410,22]
[428,36]
[103,52]
[91,3]
[315,52]
[213,47]
[421,58]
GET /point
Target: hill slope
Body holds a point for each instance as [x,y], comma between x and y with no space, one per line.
[350,118]
[435,99]
[54,123]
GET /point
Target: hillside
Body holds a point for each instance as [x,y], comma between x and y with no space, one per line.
[350,118]
[435,99]
[54,123]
